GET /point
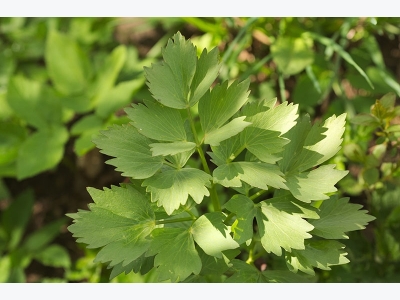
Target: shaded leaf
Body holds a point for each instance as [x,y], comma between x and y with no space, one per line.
[317,254]
[119,221]
[259,175]
[172,188]
[175,255]
[338,217]
[157,122]
[131,151]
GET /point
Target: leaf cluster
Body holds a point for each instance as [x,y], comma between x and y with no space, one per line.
[170,217]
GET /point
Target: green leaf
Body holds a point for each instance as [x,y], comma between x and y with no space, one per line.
[171,148]
[217,106]
[41,151]
[108,73]
[157,122]
[131,151]
[225,151]
[207,69]
[338,49]
[292,55]
[170,81]
[246,273]
[264,144]
[117,97]
[5,268]
[175,254]
[314,185]
[259,175]
[15,218]
[54,256]
[318,254]
[280,118]
[245,211]
[337,217]
[90,123]
[11,137]
[311,146]
[172,188]
[280,228]
[34,102]
[121,227]
[232,128]
[68,66]
[212,235]
[40,238]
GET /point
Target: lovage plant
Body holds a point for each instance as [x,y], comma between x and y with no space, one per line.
[217,181]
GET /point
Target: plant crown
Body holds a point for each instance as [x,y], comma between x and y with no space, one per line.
[189,148]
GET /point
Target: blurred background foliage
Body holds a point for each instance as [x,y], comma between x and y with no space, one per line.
[64,79]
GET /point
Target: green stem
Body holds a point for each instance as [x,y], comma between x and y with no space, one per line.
[158,222]
[259,193]
[236,154]
[228,218]
[213,191]
[282,87]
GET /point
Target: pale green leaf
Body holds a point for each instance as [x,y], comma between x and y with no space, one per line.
[171,148]
[338,217]
[317,151]
[212,235]
[259,175]
[217,106]
[157,122]
[170,81]
[314,185]
[279,118]
[317,254]
[117,97]
[234,127]
[207,69]
[108,72]
[292,55]
[41,151]
[172,188]
[88,123]
[175,254]
[66,63]
[131,151]
[281,229]
[119,221]
[34,102]
[54,256]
